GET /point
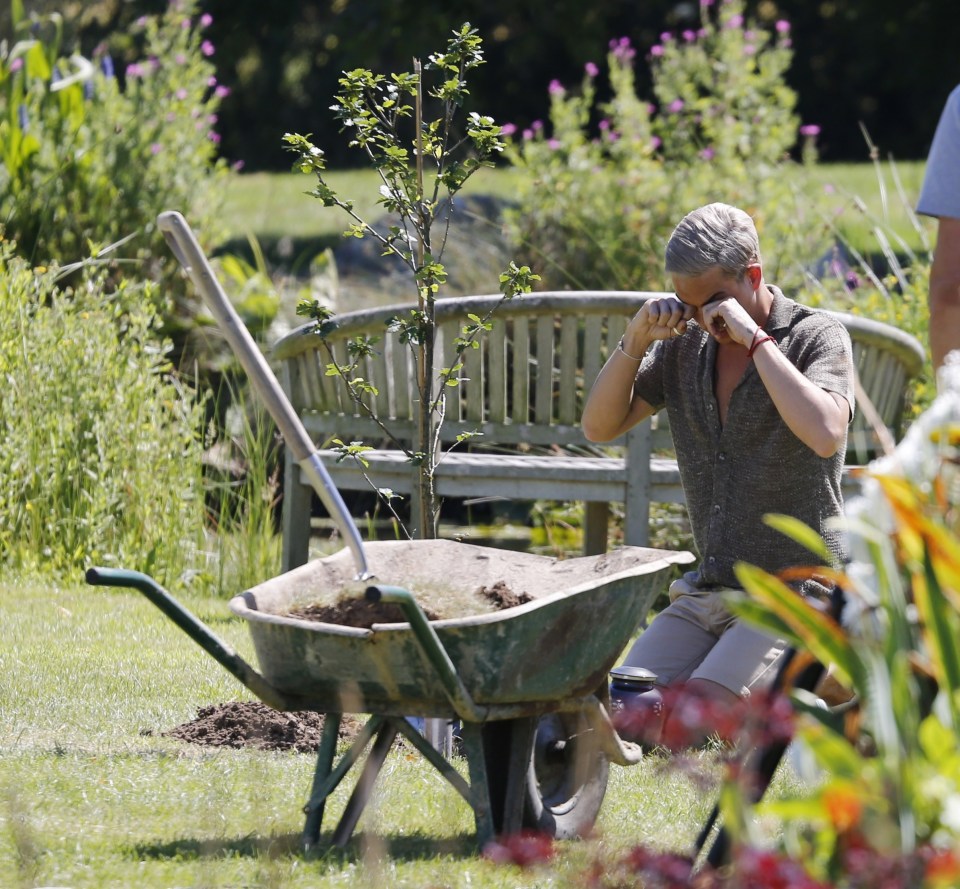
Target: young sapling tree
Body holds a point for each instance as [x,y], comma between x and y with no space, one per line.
[422,162]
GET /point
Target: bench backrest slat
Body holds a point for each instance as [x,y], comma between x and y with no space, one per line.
[529,377]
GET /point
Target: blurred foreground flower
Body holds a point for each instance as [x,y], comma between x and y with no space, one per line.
[525,849]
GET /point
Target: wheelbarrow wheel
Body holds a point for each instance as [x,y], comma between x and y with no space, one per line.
[567,777]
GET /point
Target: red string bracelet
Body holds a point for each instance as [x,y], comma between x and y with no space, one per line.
[757,343]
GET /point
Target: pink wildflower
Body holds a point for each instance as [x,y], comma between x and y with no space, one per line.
[591,69]
[782,26]
[207,48]
[508,129]
[206,20]
[656,50]
[810,129]
[675,106]
[556,88]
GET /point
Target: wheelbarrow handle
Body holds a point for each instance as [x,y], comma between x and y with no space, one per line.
[195,629]
[184,245]
[432,649]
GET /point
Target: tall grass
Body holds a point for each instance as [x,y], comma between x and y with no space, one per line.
[100,460]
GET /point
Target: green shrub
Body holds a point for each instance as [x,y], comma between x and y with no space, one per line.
[91,156]
[101,455]
[601,196]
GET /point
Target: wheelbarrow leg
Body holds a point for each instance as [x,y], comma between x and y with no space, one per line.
[325,779]
[472,735]
[507,748]
[364,787]
[325,754]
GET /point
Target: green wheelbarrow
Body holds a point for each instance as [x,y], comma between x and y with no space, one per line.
[528,684]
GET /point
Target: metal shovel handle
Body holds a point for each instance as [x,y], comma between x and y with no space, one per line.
[184,245]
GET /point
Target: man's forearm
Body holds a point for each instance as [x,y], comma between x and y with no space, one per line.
[815,416]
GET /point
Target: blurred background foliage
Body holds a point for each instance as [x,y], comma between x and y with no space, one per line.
[857,61]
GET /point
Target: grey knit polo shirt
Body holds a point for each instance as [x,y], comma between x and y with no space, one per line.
[734,475]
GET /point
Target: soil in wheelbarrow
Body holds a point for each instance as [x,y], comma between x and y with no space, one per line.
[252,724]
[354,612]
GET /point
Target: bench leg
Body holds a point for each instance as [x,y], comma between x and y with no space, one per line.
[595,523]
[297,504]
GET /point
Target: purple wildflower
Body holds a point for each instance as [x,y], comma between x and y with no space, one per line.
[707,153]
[591,69]
[508,129]
[16,64]
[221,92]
[656,50]
[675,106]
[666,37]
[134,70]
[556,88]
[156,148]
[655,142]
[238,166]
[211,81]
[207,48]
[185,24]
[810,129]
[689,36]
[622,50]
[735,21]
[528,134]
[206,20]
[749,49]
[537,125]
[214,137]
[553,144]
[782,26]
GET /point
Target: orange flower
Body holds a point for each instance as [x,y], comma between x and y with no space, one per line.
[843,807]
[943,868]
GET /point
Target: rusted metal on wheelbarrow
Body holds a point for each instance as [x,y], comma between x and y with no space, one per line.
[528,683]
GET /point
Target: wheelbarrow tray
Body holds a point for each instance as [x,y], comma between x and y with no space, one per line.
[558,646]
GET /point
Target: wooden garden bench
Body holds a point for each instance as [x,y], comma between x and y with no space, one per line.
[524,391]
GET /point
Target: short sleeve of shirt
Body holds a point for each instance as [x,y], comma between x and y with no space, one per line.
[648,384]
[940,195]
[826,356]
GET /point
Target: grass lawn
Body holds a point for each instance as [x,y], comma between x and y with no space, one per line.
[276,205]
[91,794]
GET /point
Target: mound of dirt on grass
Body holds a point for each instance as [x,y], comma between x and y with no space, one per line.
[253,724]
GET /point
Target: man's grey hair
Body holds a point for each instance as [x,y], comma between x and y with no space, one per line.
[713,236]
